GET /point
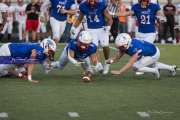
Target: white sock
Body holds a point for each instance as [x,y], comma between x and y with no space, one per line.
[164,66]
[147,69]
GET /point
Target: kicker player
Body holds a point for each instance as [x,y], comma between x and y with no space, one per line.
[58,15]
[96,14]
[144,56]
[80,52]
[34,51]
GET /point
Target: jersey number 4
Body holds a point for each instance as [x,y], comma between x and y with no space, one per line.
[145,19]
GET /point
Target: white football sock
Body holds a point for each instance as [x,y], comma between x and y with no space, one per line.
[164,66]
[147,69]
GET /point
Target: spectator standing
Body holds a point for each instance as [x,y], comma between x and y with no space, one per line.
[169,11]
[43,18]
[178,24]
[21,18]
[10,18]
[122,25]
[112,8]
[3,16]
[32,21]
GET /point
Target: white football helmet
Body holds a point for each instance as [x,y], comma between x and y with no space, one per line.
[48,43]
[123,39]
[85,37]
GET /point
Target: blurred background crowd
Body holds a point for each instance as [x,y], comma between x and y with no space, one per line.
[27,21]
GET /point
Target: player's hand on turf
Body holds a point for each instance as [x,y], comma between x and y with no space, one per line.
[115,72]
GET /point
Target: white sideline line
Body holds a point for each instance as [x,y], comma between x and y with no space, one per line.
[143,114]
[3,115]
[73,114]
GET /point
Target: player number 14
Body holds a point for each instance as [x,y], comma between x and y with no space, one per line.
[145,19]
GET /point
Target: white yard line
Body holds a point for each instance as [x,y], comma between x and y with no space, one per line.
[143,114]
[73,114]
[3,115]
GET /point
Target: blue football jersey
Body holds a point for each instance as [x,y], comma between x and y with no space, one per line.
[94,15]
[24,50]
[57,5]
[146,17]
[80,55]
[147,49]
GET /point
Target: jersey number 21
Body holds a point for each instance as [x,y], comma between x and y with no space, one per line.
[145,19]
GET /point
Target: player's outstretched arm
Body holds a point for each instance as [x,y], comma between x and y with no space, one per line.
[127,66]
[31,67]
[115,58]
[71,58]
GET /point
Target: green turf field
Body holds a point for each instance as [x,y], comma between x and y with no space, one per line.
[106,98]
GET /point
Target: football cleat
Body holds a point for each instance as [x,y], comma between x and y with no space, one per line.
[173,71]
[106,69]
[157,74]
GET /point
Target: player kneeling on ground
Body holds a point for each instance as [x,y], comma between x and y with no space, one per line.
[27,53]
[144,56]
[80,52]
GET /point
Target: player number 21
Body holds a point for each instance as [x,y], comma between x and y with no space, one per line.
[145,19]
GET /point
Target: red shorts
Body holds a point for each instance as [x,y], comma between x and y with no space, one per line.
[32,25]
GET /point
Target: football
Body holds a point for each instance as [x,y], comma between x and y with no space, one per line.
[86,79]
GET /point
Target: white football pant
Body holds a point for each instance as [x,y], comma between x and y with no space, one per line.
[58,27]
[149,37]
[100,37]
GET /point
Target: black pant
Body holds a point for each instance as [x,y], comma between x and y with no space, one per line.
[170,25]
